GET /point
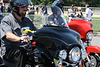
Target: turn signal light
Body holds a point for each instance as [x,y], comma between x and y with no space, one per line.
[33,44]
[80,66]
[86,58]
[61,66]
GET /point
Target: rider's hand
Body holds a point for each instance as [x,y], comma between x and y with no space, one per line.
[24,39]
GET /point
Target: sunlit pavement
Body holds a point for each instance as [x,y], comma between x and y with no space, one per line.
[96,40]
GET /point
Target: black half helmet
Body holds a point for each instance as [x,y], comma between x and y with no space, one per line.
[18,3]
[23,2]
[15,4]
[55,9]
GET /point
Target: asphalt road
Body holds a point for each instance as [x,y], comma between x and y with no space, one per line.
[96,41]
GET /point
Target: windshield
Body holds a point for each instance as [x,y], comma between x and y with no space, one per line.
[55,17]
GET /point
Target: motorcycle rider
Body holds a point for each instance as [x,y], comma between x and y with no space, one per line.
[11,35]
[60,4]
[55,18]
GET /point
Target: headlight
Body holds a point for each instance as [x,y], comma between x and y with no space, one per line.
[63,54]
[89,35]
[75,54]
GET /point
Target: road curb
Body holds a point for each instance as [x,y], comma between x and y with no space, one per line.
[96,34]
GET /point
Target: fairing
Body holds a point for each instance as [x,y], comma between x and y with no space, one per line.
[81,26]
[65,34]
[53,39]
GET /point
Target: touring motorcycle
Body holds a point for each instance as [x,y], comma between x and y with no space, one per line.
[56,44]
[84,28]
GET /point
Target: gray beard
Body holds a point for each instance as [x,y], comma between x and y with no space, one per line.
[23,15]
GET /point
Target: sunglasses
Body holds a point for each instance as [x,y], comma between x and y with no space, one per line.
[24,6]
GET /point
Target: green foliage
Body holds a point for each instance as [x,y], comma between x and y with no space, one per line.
[96,24]
[82,3]
[40,2]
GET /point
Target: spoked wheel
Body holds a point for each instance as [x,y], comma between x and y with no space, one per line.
[93,61]
[98,65]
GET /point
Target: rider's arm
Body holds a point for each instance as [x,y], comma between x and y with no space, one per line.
[6,31]
[12,37]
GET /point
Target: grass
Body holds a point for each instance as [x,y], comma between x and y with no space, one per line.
[96,24]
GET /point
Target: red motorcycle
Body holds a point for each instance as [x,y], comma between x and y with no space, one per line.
[84,28]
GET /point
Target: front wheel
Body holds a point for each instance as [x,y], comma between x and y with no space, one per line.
[98,65]
[94,61]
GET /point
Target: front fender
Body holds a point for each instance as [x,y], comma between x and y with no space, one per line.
[93,49]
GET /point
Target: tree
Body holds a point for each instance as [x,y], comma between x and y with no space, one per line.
[82,3]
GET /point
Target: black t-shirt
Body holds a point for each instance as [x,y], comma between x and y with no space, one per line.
[80,16]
